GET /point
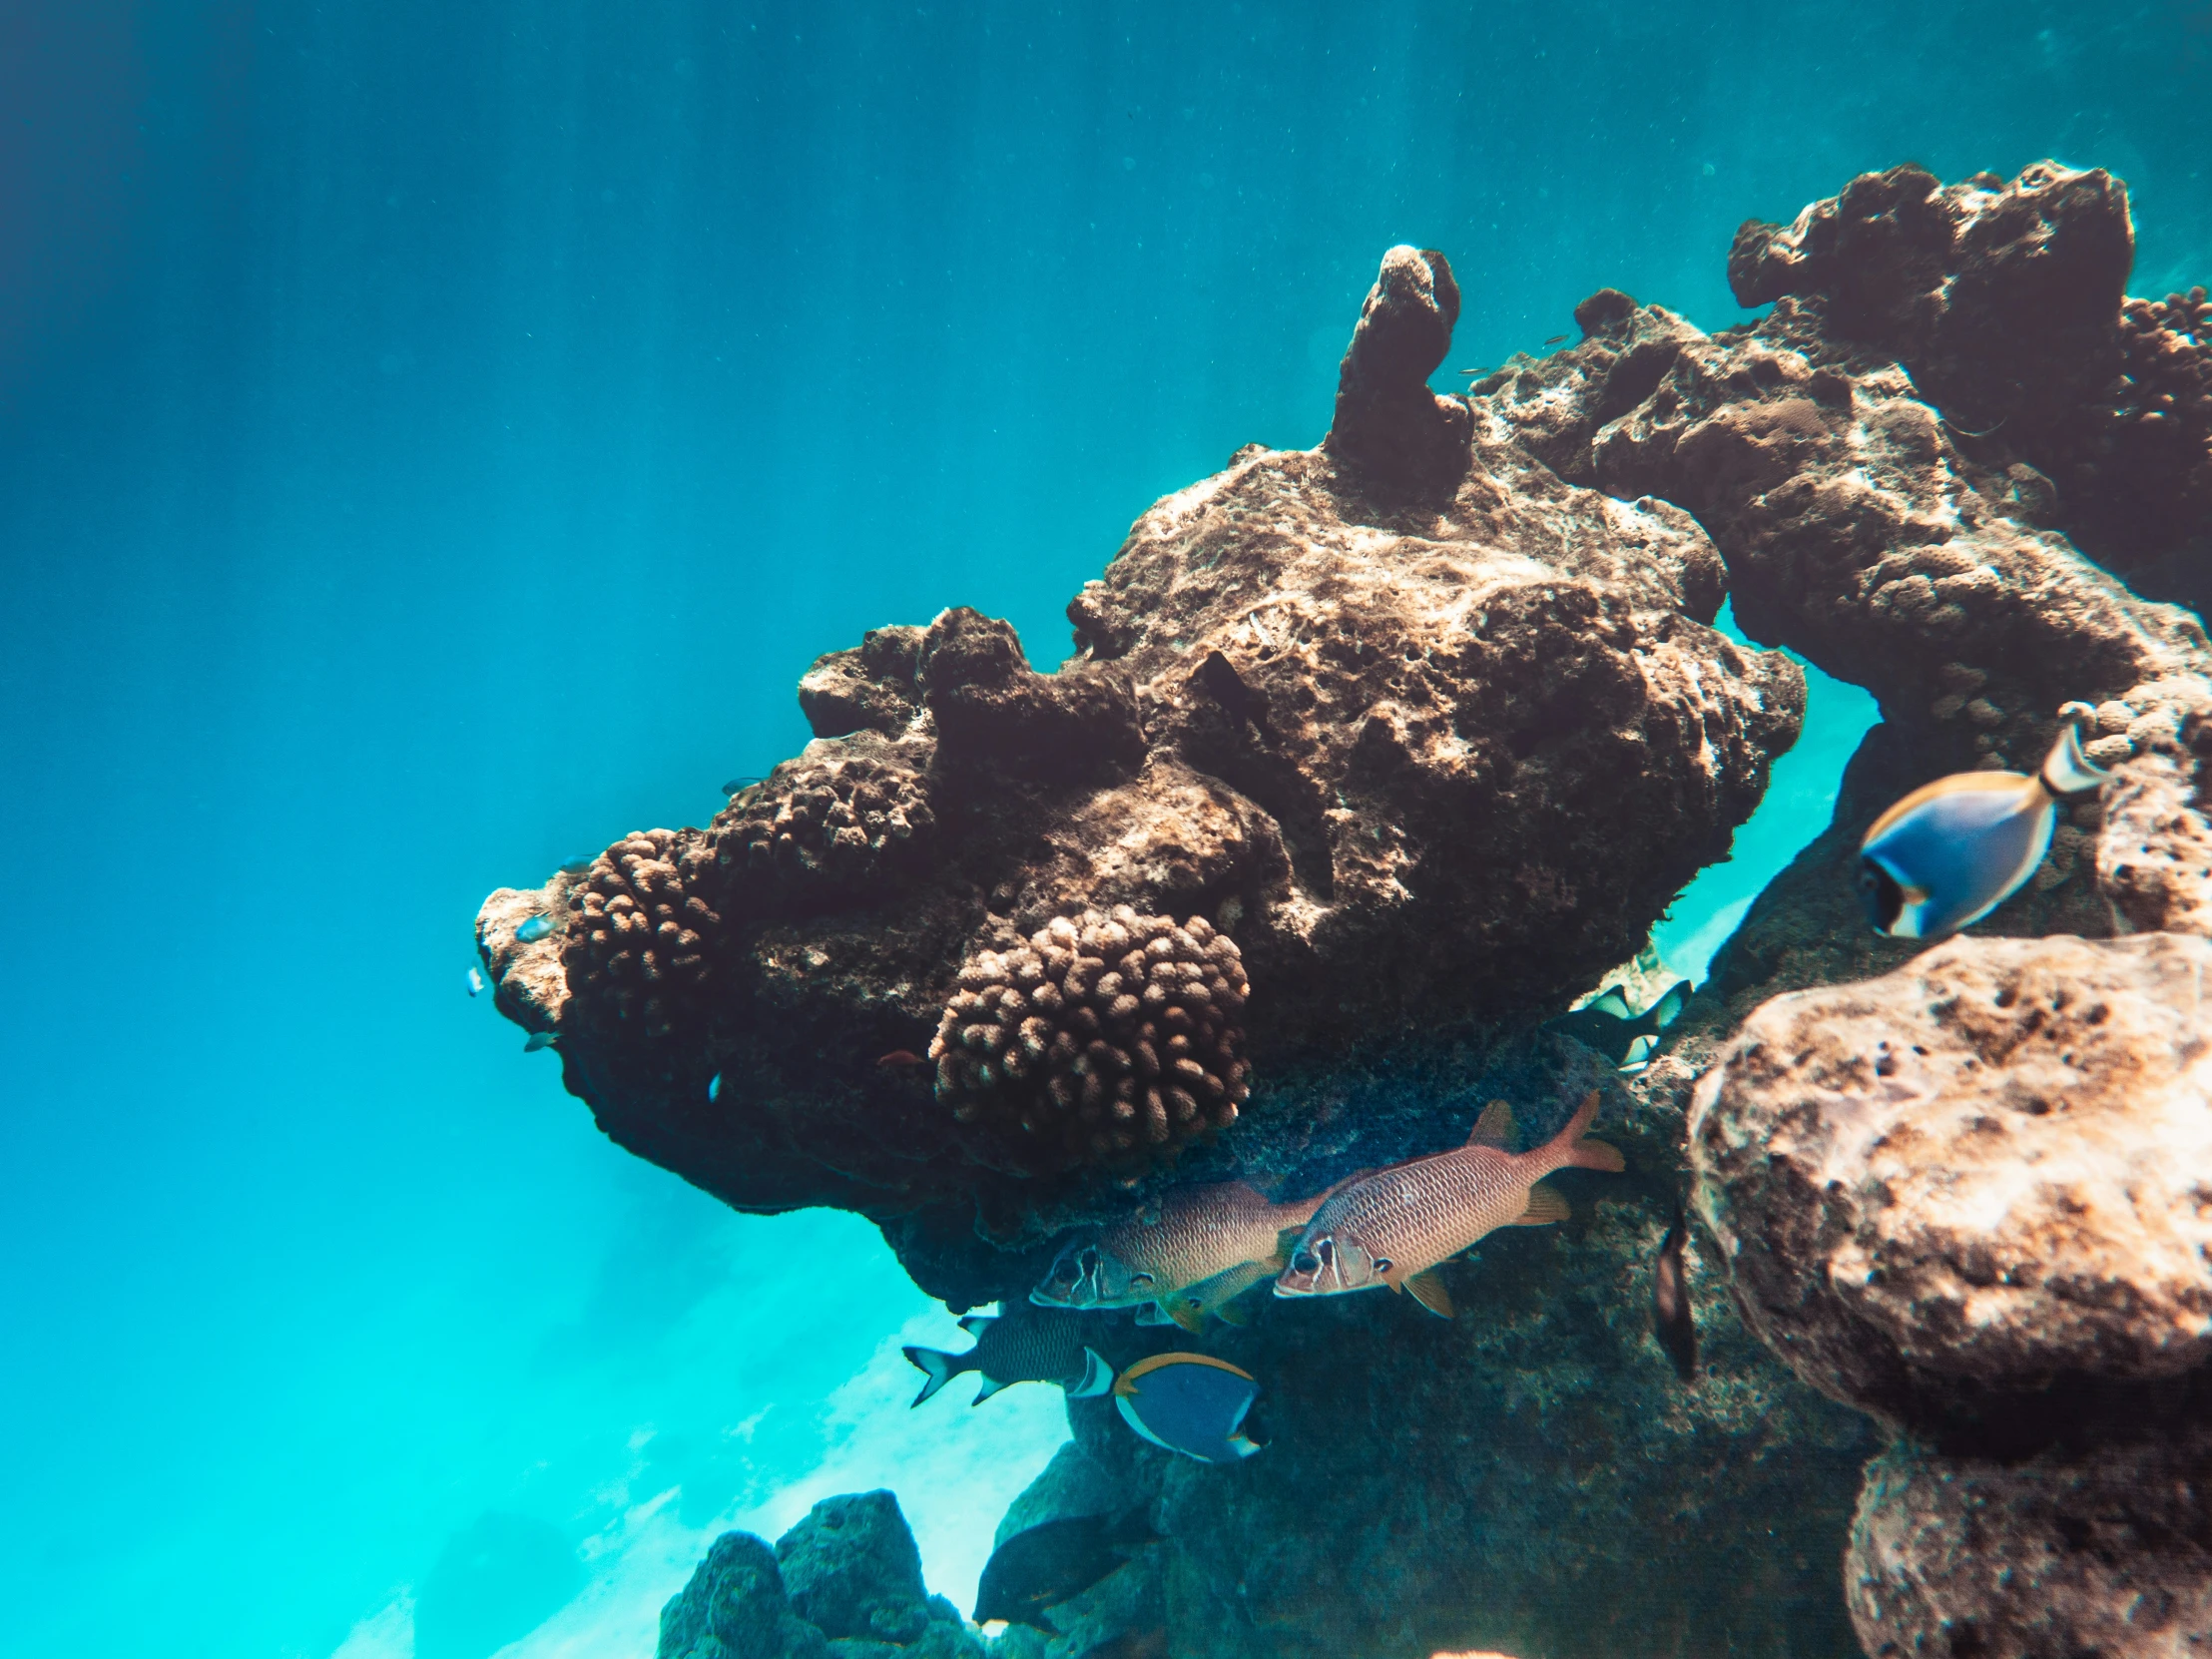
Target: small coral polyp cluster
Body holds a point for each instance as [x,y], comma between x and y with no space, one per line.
[2168,346]
[1109,1036]
[838,825]
[640,935]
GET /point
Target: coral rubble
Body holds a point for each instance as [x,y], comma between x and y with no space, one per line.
[1369,760]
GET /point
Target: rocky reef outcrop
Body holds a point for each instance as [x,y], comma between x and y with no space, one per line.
[1394,747]
[844,1583]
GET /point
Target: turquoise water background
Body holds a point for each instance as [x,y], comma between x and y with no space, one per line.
[434,437]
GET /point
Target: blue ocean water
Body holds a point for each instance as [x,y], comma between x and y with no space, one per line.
[433,439]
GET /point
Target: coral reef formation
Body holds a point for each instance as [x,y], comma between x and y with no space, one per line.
[1105,1038]
[844,1583]
[1431,721]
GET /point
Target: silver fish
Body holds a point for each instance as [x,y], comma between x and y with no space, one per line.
[1200,1233]
[541,1039]
[1954,851]
[1393,1228]
[534,929]
[713,1087]
[475,983]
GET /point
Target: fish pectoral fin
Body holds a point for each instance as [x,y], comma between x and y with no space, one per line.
[1427,1289]
[1545,1206]
[1495,1127]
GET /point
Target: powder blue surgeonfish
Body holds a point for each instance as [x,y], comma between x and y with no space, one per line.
[1954,851]
[1189,1402]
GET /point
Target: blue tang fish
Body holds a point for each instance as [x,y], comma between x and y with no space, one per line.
[1954,851]
[1189,1402]
[534,929]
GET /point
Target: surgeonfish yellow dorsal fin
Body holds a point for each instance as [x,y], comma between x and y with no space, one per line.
[2066,771]
[1495,1127]
[1544,1207]
[1427,1289]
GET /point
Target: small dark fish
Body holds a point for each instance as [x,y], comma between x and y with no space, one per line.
[1027,1345]
[1049,1564]
[1555,339]
[713,1087]
[1671,1318]
[1189,1402]
[578,867]
[737,786]
[475,983]
[1954,851]
[900,1059]
[534,929]
[1606,1024]
[541,1039]
[1227,687]
[1132,1644]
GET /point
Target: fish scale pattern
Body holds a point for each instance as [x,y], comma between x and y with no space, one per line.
[1109,1038]
[641,937]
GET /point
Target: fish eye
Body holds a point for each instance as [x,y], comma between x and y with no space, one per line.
[1140,1279]
[1381,1264]
[1305,1261]
[1880,893]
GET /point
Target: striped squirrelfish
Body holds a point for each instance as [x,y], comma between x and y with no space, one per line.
[1205,1235]
[1393,1228]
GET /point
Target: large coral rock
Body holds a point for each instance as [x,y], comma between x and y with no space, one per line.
[1432,734]
[2051,1559]
[1945,1192]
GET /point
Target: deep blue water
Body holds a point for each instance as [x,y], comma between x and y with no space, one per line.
[433,439]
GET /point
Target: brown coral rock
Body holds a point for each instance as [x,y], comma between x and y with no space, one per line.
[1945,1191]
[873,687]
[2051,1559]
[1106,1038]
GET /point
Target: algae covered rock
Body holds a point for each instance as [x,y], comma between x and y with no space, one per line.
[844,1583]
[1945,1192]
[2049,1558]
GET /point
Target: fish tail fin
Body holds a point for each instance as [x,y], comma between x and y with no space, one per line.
[1609,1001]
[2066,770]
[1584,1154]
[1596,1155]
[939,1366]
[1098,1376]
